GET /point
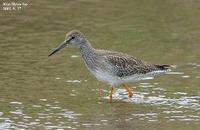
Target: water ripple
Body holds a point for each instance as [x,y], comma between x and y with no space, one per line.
[190,102]
[50,115]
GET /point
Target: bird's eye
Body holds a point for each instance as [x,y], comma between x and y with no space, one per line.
[72,37]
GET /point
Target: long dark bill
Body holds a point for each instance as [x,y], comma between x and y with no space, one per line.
[62,45]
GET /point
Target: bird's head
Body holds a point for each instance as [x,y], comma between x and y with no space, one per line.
[74,38]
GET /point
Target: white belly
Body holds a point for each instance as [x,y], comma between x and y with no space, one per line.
[107,78]
[115,81]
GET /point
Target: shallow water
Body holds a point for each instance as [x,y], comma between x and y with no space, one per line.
[38,92]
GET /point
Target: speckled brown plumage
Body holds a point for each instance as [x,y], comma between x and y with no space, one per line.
[126,65]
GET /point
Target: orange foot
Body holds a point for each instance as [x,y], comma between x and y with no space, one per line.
[130,94]
[110,94]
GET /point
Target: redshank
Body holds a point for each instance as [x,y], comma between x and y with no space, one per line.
[113,68]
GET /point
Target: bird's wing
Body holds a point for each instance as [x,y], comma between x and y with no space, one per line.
[125,65]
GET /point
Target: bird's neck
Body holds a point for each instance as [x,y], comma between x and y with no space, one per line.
[87,52]
[86,48]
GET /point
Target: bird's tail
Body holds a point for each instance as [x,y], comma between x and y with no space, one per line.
[165,67]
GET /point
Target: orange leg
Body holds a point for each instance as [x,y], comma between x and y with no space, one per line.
[110,94]
[100,92]
[130,94]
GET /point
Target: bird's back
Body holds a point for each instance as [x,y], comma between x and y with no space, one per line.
[124,65]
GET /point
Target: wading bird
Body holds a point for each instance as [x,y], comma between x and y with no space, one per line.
[113,68]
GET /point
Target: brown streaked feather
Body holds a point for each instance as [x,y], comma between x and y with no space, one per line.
[126,65]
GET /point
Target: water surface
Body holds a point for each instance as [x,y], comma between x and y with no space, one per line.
[38,92]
